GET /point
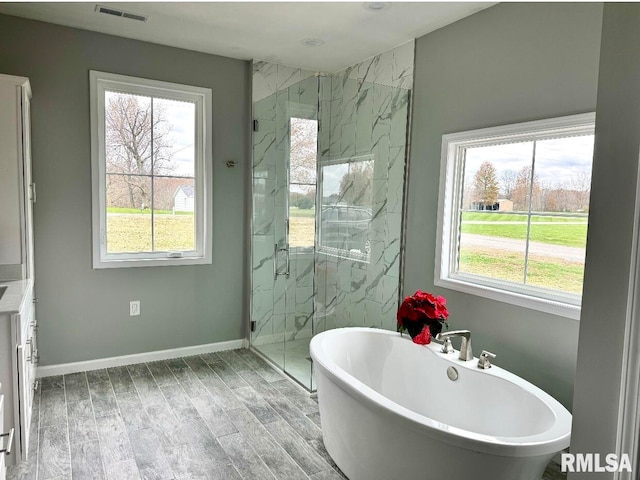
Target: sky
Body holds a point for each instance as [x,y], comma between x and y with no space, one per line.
[332,174]
[331,178]
[557,160]
[180,117]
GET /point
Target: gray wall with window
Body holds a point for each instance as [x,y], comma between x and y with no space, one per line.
[83,313]
[507,64]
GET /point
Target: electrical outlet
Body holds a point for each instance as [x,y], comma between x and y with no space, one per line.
[134,308]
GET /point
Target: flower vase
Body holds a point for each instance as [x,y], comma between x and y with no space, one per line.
[415,328]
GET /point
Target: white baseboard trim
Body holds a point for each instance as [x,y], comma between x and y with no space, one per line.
[75,367]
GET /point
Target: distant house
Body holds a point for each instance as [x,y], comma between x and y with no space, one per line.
[502,205]
[505,205]
[183,199]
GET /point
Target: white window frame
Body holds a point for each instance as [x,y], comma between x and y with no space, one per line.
[451,171]
[99,82]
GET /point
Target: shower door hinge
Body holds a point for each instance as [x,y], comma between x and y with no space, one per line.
[253,325]
[256,125]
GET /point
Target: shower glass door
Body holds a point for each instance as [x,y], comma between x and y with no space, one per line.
[268,239]
[283,225]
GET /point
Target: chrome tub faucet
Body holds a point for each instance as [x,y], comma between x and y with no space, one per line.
[484,361]
[466,353]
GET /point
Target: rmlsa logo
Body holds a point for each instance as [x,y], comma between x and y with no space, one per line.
[591,462]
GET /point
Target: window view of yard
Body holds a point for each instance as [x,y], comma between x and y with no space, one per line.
[524,212]
[150,174]
[130,230]
[493,245]
[303,152]
[302,226]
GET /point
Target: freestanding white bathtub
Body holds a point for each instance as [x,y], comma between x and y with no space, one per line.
[390,412]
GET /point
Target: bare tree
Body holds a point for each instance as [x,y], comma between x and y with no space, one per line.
[524,191]
[137,145]
[581,185]
[508,183]
[485,184]
[356,187]
[303,150]
[563,194]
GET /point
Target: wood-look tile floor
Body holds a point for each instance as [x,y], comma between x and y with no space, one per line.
[225,415]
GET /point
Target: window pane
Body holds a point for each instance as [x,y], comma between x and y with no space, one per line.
[174,214]
[558,242]
[563,174]
[127,133]
[302,212]
[493,245]
[174,137]
[495,194]
[128,214]
[496,173]
[303,150]
[556,253]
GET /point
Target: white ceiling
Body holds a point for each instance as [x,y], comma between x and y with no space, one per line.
[265,30]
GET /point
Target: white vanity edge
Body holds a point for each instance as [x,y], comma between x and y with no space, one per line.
[13,297]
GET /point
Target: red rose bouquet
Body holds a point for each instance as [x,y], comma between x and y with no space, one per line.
[422,315]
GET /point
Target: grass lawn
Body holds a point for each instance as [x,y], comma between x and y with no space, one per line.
[553,273]
[570,231]
[132,233]
[137,211]
[553,233]
[513,217]
[302,231]
[302,212]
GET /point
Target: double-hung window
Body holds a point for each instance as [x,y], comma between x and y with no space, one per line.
[513,213]
[151,172]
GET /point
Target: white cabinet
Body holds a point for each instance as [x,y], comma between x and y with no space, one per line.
[18,348]
[17,190]
[27,357]
[18,361]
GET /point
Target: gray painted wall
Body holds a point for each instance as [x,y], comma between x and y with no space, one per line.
[510,63]
[615,169]
[83,313]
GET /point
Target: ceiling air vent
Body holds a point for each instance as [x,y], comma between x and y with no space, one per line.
[120,13]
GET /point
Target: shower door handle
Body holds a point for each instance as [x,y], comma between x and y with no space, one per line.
[288,250]
[276,254]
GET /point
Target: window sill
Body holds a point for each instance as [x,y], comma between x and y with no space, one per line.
[559,308]
[150,262]
[345,254]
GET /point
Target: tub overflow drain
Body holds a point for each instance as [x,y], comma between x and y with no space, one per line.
[452,373]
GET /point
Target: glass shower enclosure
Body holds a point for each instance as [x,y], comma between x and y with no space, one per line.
[327,198]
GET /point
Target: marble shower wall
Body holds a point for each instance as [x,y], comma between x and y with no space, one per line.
[282,306]
[366,109]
